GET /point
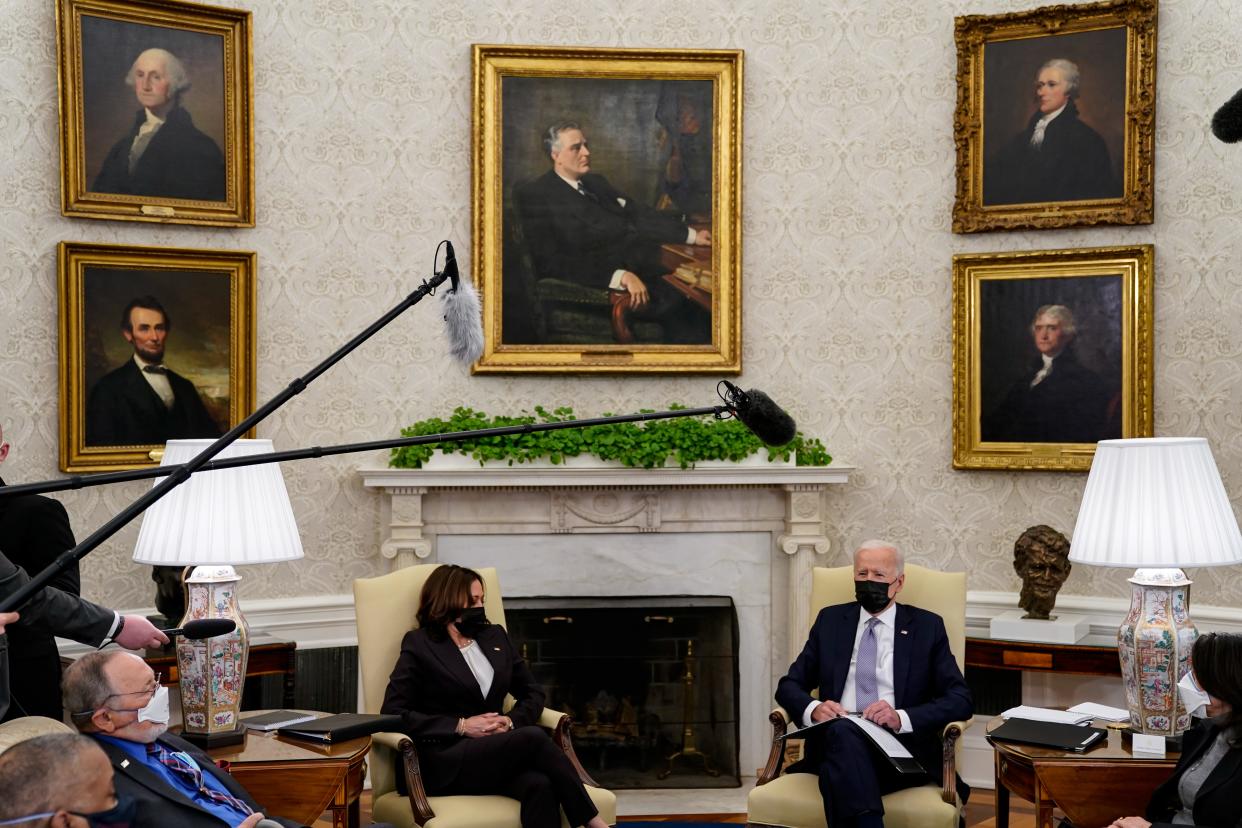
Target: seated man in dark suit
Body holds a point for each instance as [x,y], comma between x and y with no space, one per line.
[891,663]
[143,402]
[582,229]
[115,698]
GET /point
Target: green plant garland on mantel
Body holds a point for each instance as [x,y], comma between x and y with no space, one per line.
[685,441]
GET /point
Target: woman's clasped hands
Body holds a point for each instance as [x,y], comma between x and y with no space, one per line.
[484,724]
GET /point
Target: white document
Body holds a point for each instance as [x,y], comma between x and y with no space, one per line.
[882,736]
[1044,714]
[1101,711]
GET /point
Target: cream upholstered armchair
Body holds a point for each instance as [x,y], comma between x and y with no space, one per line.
[28,727]
[385,609]
[792,800]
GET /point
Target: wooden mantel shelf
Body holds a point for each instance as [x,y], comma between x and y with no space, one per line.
[525,475]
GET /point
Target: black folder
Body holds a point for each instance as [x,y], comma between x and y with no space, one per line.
[342,727]
[1073,738]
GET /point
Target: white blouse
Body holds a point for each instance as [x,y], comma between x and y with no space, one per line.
[479,665]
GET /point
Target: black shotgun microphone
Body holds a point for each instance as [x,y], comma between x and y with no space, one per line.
[203,628]
[463,321]
[1227,122]
[755,409]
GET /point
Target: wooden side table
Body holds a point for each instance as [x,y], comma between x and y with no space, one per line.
[1096,655]
[297,779]
[1092,788]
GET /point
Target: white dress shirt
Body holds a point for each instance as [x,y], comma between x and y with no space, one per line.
[1043,372]
[1037,137]
[158,381]
[479,665]
[884,635]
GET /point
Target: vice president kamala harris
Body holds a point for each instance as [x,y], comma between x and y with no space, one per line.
[449,686]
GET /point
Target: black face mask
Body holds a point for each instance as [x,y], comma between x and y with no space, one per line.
[119,815]
[472,621]
[873,595]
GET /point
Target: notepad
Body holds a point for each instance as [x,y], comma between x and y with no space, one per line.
[1101,711]
[1044,714]
[277,718]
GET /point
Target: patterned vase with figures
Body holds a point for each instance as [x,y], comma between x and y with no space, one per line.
[1154,643]
[213,670]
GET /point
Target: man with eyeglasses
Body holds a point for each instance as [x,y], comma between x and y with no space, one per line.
[68,616]
[118,700]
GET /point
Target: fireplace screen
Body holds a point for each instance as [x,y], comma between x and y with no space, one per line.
[651,684]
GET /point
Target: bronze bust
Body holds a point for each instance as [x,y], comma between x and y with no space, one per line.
[1041,559]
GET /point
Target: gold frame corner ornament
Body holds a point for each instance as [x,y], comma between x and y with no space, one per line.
[491,64]
[1134,265]
[1137,202]
[234,28]
[72,261]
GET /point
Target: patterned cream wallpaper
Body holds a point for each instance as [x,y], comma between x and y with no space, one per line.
[363,165]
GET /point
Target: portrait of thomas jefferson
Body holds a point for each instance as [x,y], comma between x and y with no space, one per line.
[1055,398]
[162,153]
[1056,156]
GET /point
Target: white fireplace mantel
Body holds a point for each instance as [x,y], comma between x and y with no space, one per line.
[751,532]
[421,505]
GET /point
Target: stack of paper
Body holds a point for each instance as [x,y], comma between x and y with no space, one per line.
[1044,714]
[1101,711]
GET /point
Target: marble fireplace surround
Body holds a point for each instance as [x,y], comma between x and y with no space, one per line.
[751,532]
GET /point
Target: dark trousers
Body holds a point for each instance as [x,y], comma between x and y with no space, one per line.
[526,765]
[853,775]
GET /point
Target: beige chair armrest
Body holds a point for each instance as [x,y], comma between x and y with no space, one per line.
[561,725]
[551,719]
[392,741]
[404,746]
[948,743]
[776,754]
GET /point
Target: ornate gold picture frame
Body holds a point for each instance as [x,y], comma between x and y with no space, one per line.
[1052,351]
[1056,115]
[156,112]
[156,343]
[607,209]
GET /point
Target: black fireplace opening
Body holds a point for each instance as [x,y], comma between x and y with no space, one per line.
[651,683]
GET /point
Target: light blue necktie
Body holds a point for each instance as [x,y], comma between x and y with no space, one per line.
[865,691]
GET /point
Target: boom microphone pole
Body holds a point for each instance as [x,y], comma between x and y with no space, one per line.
[459,292]
[752,408]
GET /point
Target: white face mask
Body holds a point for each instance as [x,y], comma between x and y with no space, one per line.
[1193,697]
[155,710]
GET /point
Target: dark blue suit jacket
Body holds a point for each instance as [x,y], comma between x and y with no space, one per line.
[927,683]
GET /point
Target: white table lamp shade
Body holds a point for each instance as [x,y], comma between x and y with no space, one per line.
[227,516]
[1155,502]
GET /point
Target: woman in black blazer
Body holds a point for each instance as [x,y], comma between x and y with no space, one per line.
[449,686]
[1208,775]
